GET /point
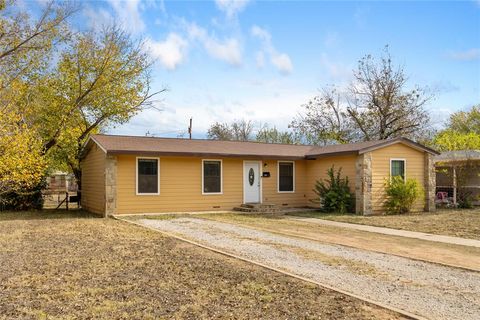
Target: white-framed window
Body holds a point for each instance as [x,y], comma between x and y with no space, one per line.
[398,167]
[147,176]
[286,176]
[212,176]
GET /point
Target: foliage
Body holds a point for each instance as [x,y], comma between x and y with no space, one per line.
[401,195]
[465,199]
[102,79]
[57,87]
[273,135]
[462,131]
[448,140]
[466,121]
[375,106]
[334,193]
[238,130]
[246,130]
[22,167]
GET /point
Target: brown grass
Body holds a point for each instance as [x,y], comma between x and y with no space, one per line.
[467,257]
[77,266]
[457,223]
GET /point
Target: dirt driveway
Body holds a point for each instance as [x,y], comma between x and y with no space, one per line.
[426,289]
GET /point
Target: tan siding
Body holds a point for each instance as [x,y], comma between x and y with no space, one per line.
[270,185]
[93,180]
[181,186]
[415,165]
[317,170]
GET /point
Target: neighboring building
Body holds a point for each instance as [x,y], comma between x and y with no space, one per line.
[458,175]
[60,181]
[125,174]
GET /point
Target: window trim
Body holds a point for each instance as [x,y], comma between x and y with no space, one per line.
[278,176]
[221,178]
[404,167]
[136,177]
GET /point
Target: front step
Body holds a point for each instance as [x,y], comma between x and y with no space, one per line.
[257,208]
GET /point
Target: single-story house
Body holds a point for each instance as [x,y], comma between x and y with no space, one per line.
[458,176]
[129,174]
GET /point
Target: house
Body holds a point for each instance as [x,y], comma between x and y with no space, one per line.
[458,176]
[128,174]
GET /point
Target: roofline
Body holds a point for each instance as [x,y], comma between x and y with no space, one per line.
[407,141]
[197,139]
[330,154]
[86,143]
[204,154]
[305,156]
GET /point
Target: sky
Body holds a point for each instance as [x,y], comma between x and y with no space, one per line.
[262,60]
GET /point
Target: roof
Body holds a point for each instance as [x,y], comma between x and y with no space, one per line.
[115,144]
[458,155]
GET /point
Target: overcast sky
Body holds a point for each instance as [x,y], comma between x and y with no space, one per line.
[258,60]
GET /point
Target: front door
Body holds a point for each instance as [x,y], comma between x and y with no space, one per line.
[251,182]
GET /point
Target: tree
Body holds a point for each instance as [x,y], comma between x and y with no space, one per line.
[375,106]
[25,48]
[273,135]
[102,79]
[462,131]
[466,121]
[239,130]
[58,87]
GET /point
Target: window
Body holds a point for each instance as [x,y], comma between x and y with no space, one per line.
[397,168]
[212,177]
[147,176]
[286,176]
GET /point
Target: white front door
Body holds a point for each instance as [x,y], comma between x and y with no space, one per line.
[251,182]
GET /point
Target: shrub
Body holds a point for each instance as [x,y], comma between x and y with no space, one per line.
[334,193]
[26,199]
[465,199]
[401,195]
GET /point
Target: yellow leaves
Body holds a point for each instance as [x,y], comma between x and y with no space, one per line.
[454,140]
[21,163]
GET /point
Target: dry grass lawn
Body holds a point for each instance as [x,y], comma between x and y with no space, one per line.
[467,257]
[66,266]
[457,223]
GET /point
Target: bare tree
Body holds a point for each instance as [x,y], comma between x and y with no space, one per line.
[376,105]
[239,130]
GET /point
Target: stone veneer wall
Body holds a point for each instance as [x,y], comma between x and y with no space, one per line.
[430,183]
[110,185]
[363,184]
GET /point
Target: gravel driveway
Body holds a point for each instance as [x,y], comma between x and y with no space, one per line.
[426,289]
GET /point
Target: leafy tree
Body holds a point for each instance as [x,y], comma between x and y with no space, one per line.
[466,121]
[334,193]
[101,80]
[25,48]
[462,131]
[21,166]
[58,87]
[240,130]
[375,106]
[448,140]
[273,135]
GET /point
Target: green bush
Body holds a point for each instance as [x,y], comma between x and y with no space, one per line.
[28,199]
[334,193]
[401,195]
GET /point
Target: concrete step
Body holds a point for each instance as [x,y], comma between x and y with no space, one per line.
[257,208]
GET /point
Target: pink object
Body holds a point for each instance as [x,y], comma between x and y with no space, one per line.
[442,195]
